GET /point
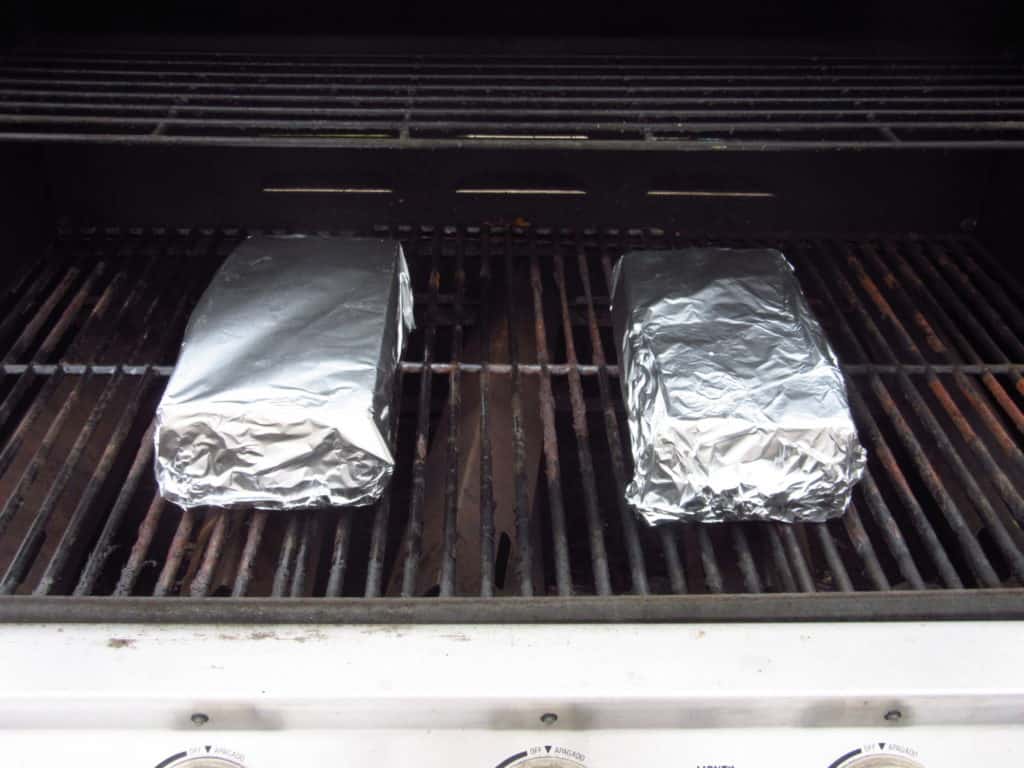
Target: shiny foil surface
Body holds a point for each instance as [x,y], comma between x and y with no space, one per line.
[737,409]
[281,394]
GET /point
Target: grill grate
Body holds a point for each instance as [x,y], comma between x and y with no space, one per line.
[513,330]
[637,102]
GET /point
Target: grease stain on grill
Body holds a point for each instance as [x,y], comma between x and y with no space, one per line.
[391,630]
[302,636]
[935,378]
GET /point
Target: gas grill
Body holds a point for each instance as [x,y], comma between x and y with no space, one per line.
[514,177]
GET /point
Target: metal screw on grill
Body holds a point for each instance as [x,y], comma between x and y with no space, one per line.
[198,718]
[549,718]
[893,716]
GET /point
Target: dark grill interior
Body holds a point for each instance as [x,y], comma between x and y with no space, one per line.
[633,101]
[513,328]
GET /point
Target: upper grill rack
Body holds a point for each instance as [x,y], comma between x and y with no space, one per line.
[630,102]
[928,330]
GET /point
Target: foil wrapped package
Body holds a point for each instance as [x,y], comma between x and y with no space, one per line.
[737,409]
[281,394]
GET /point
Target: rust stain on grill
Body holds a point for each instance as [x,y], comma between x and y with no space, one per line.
[102,549]
[963,425]
[1008,444]
[147,529]
[931,339]
[980,563]
[1009,407]
[199,584]
[872,290]
[521,506]
[552,470]
[1006,487]
[175,553]
[895,474]
[257,524]
[598,553]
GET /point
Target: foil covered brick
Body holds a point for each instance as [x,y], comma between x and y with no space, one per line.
[281,394]
[737,408]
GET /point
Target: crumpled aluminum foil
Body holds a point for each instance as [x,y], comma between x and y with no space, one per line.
[281,394]
[737,408]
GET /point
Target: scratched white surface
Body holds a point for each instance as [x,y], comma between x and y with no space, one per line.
[688,695]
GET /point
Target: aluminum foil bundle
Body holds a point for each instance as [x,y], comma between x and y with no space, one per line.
[281,394]
[737,409]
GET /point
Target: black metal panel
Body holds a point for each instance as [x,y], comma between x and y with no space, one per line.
[956,24]
[352,189]
[976,605]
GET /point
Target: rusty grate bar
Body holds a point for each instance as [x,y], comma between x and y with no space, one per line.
[257,524]
[451,530]
[381,516]
[598,554]
[552,469]
[918,455]
[414,534]
[997,526]
[487,526]
[286,558]
[524,545]
[927,330]
[677,577]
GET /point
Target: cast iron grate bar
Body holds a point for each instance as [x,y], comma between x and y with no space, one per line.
[525,101]
[552,469]
[926,329]
[381,517]
[487,525]
[525,560]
